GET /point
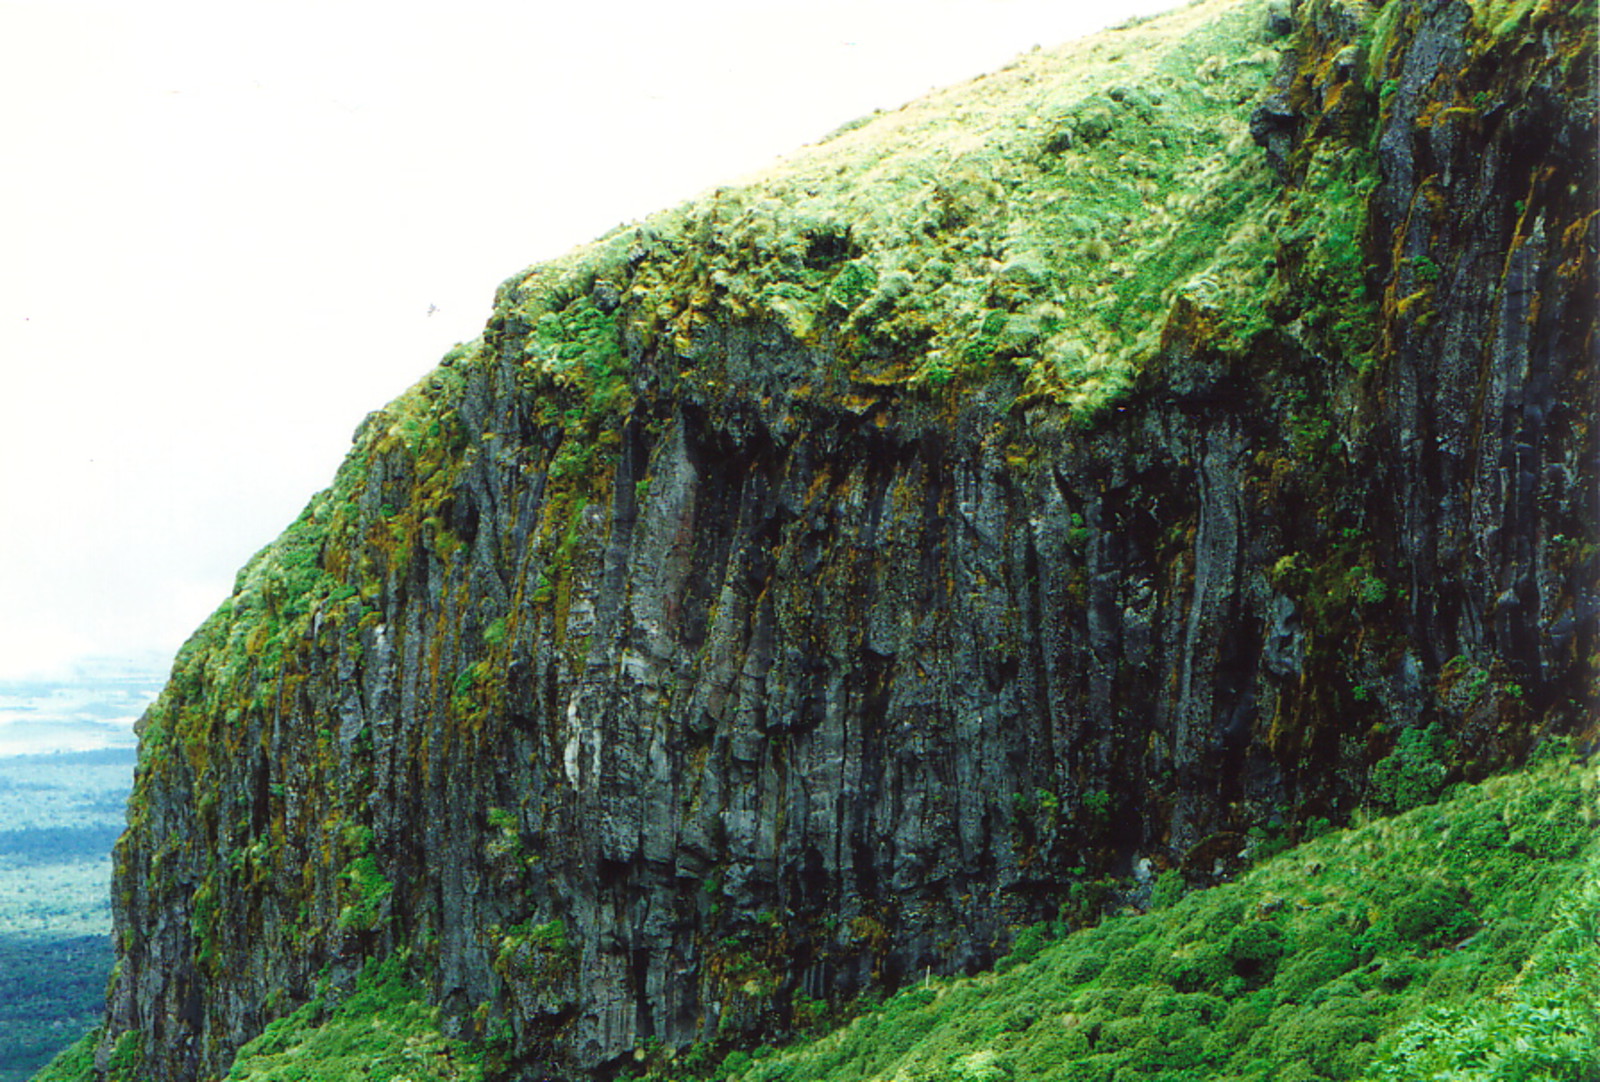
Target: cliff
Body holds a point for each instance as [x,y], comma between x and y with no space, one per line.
[1103,467]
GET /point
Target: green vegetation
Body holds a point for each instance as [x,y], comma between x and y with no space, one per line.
[1041,222]
[1458,940]
[1325,264]
[534,954]
[1415,772]
[366,895]
[1039,229]
[379,1032]
[1042,235]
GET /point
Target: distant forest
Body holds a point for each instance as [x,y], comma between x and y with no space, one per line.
[62,813]
[52,845]
[51,993]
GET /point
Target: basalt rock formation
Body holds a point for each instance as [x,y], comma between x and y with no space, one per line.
[1101,467]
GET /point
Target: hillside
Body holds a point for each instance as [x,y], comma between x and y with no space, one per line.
[1056,493]
[1458,937]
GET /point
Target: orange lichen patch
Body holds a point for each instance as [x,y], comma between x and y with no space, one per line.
[1414,304]
[1575,241]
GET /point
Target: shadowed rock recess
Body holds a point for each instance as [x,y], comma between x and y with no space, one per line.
[1182,433]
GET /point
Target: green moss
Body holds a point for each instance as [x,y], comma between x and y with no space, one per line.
[1322,247]
[365,895]
[495,633]
[468,693]
[1380,41]
[203,923]
[534,954]
[126,1063]
[1502,18]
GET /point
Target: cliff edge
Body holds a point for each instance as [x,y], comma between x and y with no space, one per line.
[1170,440]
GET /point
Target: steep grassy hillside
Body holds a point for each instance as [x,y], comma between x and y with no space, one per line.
[1460,940]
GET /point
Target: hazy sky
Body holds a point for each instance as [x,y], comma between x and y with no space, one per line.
[223,227]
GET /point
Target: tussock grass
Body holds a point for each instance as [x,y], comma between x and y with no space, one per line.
[1042,219]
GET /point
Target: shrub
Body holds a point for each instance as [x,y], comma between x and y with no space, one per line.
[1309,969]
[1415,772]
[980,1066]
[1254,949]
[1084,966]
[1543,1039]
[1206,967]
[367,892]
[1433,915]
[1026,946]
[1168,889]
[1128,967]
[1547,824]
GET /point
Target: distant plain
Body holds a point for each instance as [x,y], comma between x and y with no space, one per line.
[67,752]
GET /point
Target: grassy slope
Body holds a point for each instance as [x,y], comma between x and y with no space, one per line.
[380,1032]
[1458,940]
[1042,218]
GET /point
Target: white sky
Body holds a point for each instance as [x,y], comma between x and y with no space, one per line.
[222,226]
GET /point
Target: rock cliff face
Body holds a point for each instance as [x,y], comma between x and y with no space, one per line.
[779,600]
